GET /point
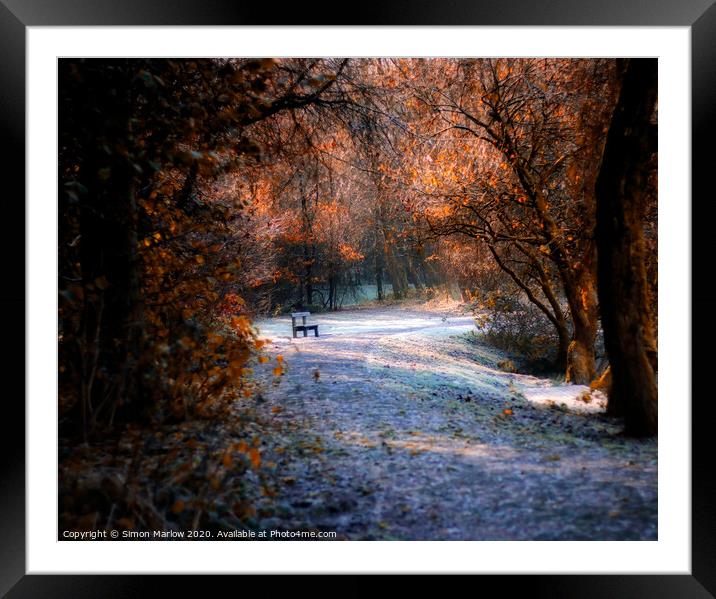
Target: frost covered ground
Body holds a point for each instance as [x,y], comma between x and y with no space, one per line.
[402,426]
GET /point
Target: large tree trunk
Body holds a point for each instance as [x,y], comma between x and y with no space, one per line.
[628,331]
[581,358]
[581,361]
[560,362]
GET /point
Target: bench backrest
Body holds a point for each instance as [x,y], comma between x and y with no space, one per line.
[297,314]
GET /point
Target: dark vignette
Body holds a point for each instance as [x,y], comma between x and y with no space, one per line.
[15,15]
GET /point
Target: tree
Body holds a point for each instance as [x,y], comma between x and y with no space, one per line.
[532,130]
[629,334]
[148,245]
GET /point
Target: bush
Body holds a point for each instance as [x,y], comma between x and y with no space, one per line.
[518,327]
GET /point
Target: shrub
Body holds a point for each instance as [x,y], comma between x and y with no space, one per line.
[509,323]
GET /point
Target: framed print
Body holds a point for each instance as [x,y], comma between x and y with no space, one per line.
[387,295]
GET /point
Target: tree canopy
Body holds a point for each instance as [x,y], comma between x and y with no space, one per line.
[196,194]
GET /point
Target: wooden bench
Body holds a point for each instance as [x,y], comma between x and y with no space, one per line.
[303,326]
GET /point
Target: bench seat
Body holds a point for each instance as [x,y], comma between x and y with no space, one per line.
[303,327]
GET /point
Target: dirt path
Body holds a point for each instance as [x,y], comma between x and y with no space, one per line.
[411,431]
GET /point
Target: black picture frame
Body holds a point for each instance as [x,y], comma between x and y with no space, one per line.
[17,15]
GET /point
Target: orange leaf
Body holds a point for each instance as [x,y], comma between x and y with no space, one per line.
[241,446]
[236,365]
[255,457]
[178,506]
[226,460]
[276,409]
[507,412]
[278,371]
[263,359]
[279,358]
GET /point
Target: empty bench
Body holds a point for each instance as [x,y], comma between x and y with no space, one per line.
[303,326]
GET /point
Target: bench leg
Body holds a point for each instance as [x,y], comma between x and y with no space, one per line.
[305,332]
[294,333]
[316,331]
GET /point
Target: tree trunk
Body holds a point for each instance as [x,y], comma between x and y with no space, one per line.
[628,331]
[379,283]
[308,251]
[581,358]
[396,274]
[578,281]
[560,362]
[330,292]
[309,283]
[557,316]
[378,266]
[414,274]
[581,361]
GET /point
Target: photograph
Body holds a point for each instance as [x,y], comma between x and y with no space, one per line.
[382,298]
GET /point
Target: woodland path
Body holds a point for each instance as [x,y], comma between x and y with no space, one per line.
[413,432]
